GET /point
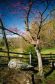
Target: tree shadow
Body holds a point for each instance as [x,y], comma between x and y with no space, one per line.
[51,70]
[33,80]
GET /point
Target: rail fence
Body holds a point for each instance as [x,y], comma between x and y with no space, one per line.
[49,57]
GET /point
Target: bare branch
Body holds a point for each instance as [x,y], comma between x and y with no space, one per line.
[27,15]
[27,18]
[45,18]
[39,25]
[45,8]
[48,15]
[41,14]
[17,34]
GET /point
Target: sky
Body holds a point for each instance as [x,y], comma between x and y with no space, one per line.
[12,12]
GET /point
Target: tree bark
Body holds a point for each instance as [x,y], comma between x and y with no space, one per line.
[40,65]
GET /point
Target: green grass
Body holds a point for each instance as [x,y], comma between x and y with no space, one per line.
[48,51]
[43,51]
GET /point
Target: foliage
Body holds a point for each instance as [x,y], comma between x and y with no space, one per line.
[47,33]
[30,49]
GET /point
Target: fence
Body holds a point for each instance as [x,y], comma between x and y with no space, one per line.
[47,58]
[3,29]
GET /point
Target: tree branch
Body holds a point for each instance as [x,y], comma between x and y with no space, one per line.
[17,34]
[27,15]
[41,14]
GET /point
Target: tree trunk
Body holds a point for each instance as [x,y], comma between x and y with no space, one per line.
[40,66]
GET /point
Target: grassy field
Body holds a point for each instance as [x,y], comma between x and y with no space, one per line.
[48,51]
[43,51]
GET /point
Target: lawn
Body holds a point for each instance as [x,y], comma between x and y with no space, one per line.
[43,51]
[48,51]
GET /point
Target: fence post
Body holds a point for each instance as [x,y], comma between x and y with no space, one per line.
[30,58]
[4,37]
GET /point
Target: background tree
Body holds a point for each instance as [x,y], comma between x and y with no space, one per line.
[47,33]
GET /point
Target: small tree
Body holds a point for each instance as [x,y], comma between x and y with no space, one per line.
[27,36]
[36,42]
